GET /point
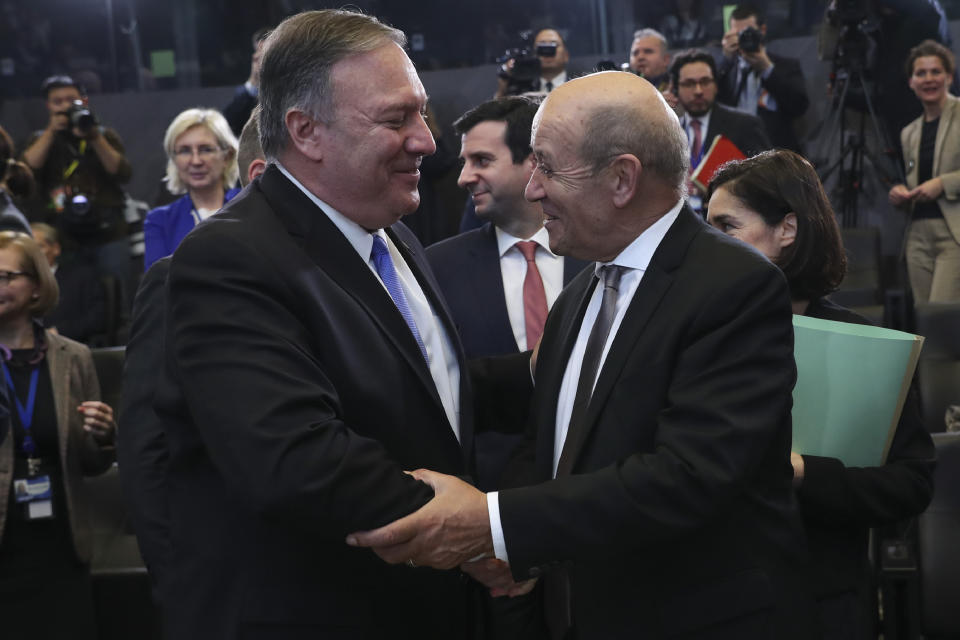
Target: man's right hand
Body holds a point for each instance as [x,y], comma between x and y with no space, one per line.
[731,43]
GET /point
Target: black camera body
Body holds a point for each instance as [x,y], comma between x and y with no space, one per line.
[524,77]
[81,117]
[547,49]
[750,40]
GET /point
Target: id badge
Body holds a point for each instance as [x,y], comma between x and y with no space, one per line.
[36,493]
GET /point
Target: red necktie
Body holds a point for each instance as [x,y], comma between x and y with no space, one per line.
[697,143]
[534,297]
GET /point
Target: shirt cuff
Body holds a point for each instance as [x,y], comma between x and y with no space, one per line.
[496,531]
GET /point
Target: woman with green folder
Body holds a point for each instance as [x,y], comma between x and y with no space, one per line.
[776,203]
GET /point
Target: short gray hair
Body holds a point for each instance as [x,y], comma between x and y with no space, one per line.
[651,33]
[297,60]
[211,120]
[612,131]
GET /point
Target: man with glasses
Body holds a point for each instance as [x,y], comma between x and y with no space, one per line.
[694,76]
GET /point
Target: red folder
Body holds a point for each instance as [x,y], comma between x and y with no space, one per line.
[721,151]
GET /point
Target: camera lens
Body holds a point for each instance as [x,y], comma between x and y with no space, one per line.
[79,204]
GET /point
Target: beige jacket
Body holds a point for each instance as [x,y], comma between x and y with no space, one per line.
[946,160]
[74,380]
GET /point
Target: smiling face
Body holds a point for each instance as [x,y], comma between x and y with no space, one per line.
[489,174]
[199,159]
[930,80]
[696,88]
[376,138]
[648,57]
[564,185]
[17,294]
[732,216]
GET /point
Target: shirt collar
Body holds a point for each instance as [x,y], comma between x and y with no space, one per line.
[361,239]
[505,241]
[638,253]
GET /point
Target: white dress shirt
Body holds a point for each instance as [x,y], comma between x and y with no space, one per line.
[556,81]
[513,270]
[753,93]
[635,257]
[441,355]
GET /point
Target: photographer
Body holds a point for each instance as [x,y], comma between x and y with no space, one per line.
[79,166]
[546,66]
[760,83]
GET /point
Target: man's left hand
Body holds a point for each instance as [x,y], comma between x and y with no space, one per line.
[449,530]
[928,191]
[759,61]
[495,575]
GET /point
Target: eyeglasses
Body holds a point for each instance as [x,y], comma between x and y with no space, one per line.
[691,84]
[7,276]
[204,151]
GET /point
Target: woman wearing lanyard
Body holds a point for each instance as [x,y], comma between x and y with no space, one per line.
[58,432]
[201,162]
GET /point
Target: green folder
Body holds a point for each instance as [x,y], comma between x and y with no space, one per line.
[852,381]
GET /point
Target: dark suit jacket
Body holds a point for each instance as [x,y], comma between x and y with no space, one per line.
[141,442]
[679,516]
[293,397]
[467,267]
[742,129]
[785,84]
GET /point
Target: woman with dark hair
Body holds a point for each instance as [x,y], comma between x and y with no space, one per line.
[931,154]
[16,180]
[59,432]
[776,203]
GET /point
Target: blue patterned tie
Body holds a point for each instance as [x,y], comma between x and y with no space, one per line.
[384,264]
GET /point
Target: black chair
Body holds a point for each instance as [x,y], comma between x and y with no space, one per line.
[121,587]
[939,367]
[108,362]
[939,535]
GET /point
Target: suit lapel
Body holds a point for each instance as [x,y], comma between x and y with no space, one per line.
[60,381]
[334,255]
[550,371]
[655,283]
[421,271]
[948,122]
[489,280]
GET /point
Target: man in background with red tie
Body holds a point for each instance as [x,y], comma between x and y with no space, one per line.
[499,280]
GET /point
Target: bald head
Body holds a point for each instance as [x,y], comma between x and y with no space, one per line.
[613,113]
[610,162]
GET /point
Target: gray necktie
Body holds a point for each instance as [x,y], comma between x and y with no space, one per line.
[610,279]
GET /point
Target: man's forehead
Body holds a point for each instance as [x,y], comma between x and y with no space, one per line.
[548,35]
[743,23]
[648,42]
[61,93]
[696,69]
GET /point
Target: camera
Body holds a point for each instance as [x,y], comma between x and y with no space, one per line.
[525,75]
[750,40]
[547,49]
[80,117]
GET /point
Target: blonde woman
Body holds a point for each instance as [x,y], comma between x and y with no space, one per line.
[202,164]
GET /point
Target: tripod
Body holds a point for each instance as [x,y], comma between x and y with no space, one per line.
[854,152]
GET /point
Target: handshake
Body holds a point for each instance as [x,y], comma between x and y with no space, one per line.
[451,530]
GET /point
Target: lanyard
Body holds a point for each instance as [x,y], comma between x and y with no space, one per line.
[74,164]
[25,412]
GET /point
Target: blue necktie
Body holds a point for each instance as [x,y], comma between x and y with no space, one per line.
[384,264]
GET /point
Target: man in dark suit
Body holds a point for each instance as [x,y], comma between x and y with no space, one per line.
[695,78]
[761,83]
[310,359]
[499,280]
[661,408]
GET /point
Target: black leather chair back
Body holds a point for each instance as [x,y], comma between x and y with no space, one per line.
[939,542]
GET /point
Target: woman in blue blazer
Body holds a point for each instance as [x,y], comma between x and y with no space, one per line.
[202,164]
